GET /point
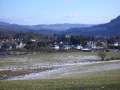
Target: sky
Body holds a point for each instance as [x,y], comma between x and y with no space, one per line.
[32,12]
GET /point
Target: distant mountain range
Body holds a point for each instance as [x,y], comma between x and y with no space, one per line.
[108,29]
[54,27]
[58,27]
[42,28]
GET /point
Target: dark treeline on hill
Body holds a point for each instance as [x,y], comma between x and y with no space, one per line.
[6,34]
[102,30]
[39,31]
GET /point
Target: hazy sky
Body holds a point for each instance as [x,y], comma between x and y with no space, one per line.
[58,11]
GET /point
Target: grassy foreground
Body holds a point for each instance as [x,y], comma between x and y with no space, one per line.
[109,80]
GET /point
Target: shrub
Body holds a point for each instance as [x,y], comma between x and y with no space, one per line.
[102,55]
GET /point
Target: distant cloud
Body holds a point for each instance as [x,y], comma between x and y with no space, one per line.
[73,15]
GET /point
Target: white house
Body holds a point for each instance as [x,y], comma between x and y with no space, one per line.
[116,44]
[20,45]
[78,47]
[33,40]
[86,49]
[56,47]
[67,47]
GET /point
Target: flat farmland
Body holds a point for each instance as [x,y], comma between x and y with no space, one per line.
[59,71]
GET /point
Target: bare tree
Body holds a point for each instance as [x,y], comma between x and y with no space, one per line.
[102,55]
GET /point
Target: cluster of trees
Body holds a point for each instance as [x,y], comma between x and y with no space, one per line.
[11,34]
[71,39]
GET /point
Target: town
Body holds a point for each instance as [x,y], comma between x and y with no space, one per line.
[59,43]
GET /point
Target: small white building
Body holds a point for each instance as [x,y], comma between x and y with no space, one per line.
[86,49]
[33,40]
[10,48]
[67,47]
[116,44]
[56,47]
[78,47]
[20,45]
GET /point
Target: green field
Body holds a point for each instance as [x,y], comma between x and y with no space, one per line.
[39,57]
[72,79]
[109,80]
[51,58]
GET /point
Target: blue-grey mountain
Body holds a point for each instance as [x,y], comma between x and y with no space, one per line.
[108,29]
